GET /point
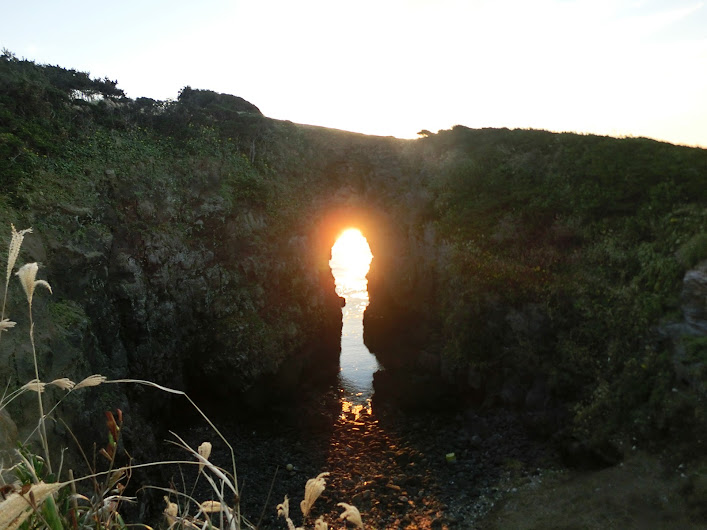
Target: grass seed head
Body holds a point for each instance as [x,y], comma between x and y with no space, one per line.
[312,490]
[212,507]
[205,451]
[171,511]
[15,244]
[17,507]
[6,324]
[351,514]
[91,380]
[64,383]
[283,510]
[28,275]
[35,385]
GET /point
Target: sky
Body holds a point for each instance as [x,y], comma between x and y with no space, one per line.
[395,67]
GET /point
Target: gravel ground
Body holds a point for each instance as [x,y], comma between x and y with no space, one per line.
[393,466]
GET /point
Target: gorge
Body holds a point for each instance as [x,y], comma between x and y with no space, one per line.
[515,271]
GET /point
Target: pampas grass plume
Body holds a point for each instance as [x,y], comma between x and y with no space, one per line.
[312,490]
[91,380]
[212,507]
[171,511]
[15,244]
[351,514]
[35,385]
[16,507]
[283,510]
[13,252]
[64,383]
[28,275]
[6,324]
[205,451]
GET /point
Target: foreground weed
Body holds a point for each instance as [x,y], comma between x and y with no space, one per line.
[27,275]
[312,490]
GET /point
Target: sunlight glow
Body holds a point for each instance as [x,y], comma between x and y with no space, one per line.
[350,260]
[619,67]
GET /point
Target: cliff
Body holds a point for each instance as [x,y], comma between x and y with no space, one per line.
[187,243]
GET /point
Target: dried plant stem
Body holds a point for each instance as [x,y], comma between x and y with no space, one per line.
[267,499]
[4,300]
[42,424]
[9,398]
[74,502]
[137,466]
[28,278]
[237,507]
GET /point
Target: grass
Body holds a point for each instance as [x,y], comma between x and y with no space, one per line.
[41,497]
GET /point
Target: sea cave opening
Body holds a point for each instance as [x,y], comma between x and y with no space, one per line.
[350,262]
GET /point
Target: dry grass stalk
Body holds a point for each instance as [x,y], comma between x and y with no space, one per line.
[27,275]
[351,514]
[234,485]
[17,507]
[312,490]
[232,515]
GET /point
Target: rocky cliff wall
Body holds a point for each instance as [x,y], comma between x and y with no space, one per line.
[188,243]
[207,274]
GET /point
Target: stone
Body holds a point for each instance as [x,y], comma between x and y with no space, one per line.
[694,297]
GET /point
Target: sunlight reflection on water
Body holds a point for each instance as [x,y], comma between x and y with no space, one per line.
[350,262]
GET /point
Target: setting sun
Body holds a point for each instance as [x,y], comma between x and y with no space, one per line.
[350,261]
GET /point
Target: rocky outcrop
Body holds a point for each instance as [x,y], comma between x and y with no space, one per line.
[188,244]
[694,298]
[177,274]
[687,340]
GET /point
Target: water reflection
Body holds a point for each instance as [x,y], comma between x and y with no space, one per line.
[351,258]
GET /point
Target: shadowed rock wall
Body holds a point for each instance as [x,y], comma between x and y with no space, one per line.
[188,243]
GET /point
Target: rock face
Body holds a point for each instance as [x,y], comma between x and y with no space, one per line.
[688,339]
[188,242]
[196,276]
[694,298]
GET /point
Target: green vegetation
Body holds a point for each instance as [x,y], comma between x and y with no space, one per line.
[188,230]
[587,239]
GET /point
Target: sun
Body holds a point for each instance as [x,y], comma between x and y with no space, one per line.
[351,252]
[350,260]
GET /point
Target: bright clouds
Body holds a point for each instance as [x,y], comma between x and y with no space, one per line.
[395,67]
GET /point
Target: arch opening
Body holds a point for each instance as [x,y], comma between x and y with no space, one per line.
[350,262]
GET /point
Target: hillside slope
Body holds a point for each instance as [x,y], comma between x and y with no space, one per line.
[187,243]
